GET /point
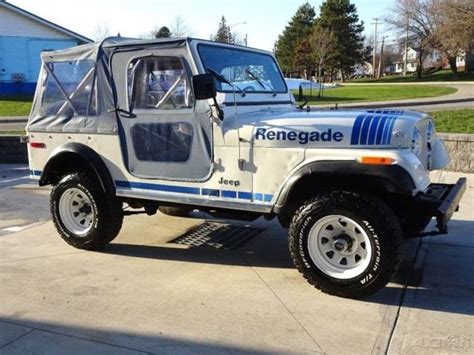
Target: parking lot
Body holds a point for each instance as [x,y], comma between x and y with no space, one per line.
[160,289]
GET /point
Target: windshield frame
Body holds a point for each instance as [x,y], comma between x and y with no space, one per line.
[243,49]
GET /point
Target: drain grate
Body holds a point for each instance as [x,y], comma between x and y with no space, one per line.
[217,235]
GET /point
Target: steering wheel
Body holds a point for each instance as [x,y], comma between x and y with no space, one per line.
[248,88]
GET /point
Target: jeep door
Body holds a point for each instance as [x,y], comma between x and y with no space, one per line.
[165,133]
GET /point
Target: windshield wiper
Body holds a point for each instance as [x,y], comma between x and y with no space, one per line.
[222,79]
[260,82]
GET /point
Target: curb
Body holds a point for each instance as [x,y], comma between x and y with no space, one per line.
[13,120]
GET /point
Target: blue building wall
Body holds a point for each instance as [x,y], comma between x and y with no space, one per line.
[22,55]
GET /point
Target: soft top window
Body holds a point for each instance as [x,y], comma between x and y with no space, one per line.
[158,83]
[247,70]
[68,88]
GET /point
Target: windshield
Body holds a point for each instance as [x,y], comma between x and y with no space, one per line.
[246,70]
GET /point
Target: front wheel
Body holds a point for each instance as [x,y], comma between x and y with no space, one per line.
[83,214]
[345,243]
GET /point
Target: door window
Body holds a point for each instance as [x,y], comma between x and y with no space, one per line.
[158,83]
[162,142]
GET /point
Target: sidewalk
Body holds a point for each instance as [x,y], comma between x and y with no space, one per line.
[147,294]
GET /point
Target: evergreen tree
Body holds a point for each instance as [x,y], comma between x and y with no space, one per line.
[292,37]
[340,17]
[163,32]
[223,32]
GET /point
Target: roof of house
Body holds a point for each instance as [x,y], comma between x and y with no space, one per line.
[44,22]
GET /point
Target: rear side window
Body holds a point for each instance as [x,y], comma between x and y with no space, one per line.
[158,83]
[69,88]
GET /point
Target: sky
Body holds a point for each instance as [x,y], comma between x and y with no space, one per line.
[264,19]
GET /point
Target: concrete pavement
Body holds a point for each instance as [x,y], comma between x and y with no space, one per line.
[147,294]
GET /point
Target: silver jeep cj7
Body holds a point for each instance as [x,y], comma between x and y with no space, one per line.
[184,124]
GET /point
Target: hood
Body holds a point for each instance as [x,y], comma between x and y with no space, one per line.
[327,128]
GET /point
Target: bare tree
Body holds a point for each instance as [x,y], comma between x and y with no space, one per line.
[323,46]
[101,31]
[179,28]
[455,30]
[420,18]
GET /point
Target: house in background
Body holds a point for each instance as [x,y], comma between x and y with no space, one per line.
[435,59]
[412,61]
[460,61]
[23,36]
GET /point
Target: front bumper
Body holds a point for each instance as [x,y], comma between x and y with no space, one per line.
[441,201]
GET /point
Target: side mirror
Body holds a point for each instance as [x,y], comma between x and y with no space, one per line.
[204,87]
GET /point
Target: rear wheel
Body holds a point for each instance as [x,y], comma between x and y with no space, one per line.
[346,243]
[83,214]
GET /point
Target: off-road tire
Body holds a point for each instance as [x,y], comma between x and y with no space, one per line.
[175,211]
[108,209]
[380,224]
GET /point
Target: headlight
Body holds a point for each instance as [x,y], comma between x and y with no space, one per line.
[416,142]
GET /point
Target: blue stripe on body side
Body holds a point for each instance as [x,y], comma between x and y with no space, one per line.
[373,130]
[390,130]
[159,187]
[243,195]
[229,194]
[356,129]
[365,130]
[210,192]
[378,139]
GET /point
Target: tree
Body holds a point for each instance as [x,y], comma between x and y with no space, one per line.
[223,32]
[101,31]
[303,60]
[163,32]
[419,18]
[340,17]
[179,28]
[292,37]
[323,46]
[455,29]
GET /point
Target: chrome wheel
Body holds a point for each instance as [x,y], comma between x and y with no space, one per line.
[76,211]
[339,246]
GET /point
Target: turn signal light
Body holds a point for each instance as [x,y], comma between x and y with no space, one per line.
[377,160]
[37,145]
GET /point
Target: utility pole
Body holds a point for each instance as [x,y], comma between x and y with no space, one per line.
[406,50]
[375,45]
[379,73]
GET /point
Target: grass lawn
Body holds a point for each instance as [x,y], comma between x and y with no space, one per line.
[441,75]
[454,121]
[15,106]
[375,93]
